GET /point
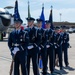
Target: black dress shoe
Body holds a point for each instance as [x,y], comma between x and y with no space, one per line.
[44,73]
[52,73]
[67,65]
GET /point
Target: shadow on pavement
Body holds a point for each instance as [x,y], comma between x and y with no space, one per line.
[60,72]
[69,68]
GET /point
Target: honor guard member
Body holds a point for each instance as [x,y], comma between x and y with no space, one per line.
[42,45]
[50,46]
[17,42]
[58,47]
[65,46]
[33,46]
[40,32]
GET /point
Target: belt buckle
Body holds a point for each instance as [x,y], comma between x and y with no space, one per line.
[47,40]
[16,44]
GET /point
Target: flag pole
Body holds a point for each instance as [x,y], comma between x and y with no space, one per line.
[29,15]
[43,5]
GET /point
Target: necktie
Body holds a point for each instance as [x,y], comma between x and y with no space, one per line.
[30,29]
[17,32]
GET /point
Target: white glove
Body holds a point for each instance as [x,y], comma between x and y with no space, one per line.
[47,46]
[39,48]
[16,49]
[30,47]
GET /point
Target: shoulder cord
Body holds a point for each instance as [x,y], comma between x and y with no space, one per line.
[24,36]
[36,33]
[44,34]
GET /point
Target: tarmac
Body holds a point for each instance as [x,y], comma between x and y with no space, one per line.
[5,59]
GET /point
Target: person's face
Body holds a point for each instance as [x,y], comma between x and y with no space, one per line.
[47,25]
[39,24]
[17,25]
[56,31]
[30,23]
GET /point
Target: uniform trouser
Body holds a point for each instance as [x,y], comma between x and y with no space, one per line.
[58,52]
[44,60]
[50,53]
[20,59]
[33,54]
[65,52]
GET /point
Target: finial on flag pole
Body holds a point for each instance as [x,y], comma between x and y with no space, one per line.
[28,2]
[43,5]
[29,15]
[51,6]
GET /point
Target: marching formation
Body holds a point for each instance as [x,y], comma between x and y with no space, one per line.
[35,43]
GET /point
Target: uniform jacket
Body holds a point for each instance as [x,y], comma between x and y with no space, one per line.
[58,40]
[65,38]
[50,38]
[22,39]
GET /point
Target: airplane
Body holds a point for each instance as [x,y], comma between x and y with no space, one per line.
[5,20]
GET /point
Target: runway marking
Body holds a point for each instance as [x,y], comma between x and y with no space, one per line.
[5,58]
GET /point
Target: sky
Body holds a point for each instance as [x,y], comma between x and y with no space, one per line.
[65,7]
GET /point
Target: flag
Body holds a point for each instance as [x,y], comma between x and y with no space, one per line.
[16,12]
[43,17]
[40,63]
[29,10]
[51,19]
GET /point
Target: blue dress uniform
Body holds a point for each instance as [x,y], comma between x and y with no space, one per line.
[65,46]
[43,51]
[40,35]
[19,41]
[33,52]
[50,48]
[33,49]
[42,47]
[58,48]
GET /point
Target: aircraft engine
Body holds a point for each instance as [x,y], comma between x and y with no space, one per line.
[5,19]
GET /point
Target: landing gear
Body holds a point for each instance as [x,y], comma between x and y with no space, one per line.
[1,36]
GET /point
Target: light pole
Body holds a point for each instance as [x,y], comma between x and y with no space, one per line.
[60,17]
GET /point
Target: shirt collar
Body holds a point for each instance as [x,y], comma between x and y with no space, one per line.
[39,28]
[18,30]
